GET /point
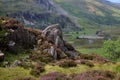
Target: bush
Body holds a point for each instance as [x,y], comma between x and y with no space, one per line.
[87,56]
[112,48]
[37,69]
[40,55]
[96,75]
[87,63]
[55,76]
[67,63]
[25,65]
[3,40]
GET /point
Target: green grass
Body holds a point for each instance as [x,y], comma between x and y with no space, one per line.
[12,57]
[13,73]
[78,69]
[18,72]
[84,47]
[83,68]
[91,14]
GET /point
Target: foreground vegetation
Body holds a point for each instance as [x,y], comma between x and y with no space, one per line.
[17,73]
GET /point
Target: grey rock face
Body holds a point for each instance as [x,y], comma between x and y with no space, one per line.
[50,5]
[54,36]
[53,52]
[21,37]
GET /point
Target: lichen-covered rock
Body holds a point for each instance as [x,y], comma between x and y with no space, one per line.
[53,34]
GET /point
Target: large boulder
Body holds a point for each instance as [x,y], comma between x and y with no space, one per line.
[16,36]
[53,34]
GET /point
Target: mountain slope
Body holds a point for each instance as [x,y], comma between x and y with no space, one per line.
[92,12]
[68,13]
[38,13]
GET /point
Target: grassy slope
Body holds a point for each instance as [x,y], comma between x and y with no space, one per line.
[13,73]
[92,12]
[18,72]
[14,6]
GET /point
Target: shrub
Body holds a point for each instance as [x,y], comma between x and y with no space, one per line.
[112,48]
[87,56]
[3,40]
[87,63]
[39,55]
[37,69]
[96,75]
[54,76]
[67,63]
[25,65]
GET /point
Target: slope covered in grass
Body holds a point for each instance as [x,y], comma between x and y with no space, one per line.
[19,73]
[92,12]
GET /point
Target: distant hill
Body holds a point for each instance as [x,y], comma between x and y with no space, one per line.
[37,13]
[70,14]
[93,12]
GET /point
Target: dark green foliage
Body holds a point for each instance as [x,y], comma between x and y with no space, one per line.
[67,64]
[3,34]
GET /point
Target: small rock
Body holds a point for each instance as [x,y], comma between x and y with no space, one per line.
[11,43]
[53,52]
[39,42]
[1,56]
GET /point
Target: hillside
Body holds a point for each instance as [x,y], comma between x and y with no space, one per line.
[92,12]
[41,13]
[59,40]
[37,13]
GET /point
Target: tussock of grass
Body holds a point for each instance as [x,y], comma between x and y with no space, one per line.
[78,69]
[83,68]
[18,72]
[13,73]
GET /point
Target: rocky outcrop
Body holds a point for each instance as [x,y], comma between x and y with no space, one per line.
[16,36]
[50,5]
[50,39]
[39,13]
[53,34]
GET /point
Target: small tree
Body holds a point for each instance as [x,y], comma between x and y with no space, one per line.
[113,48]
